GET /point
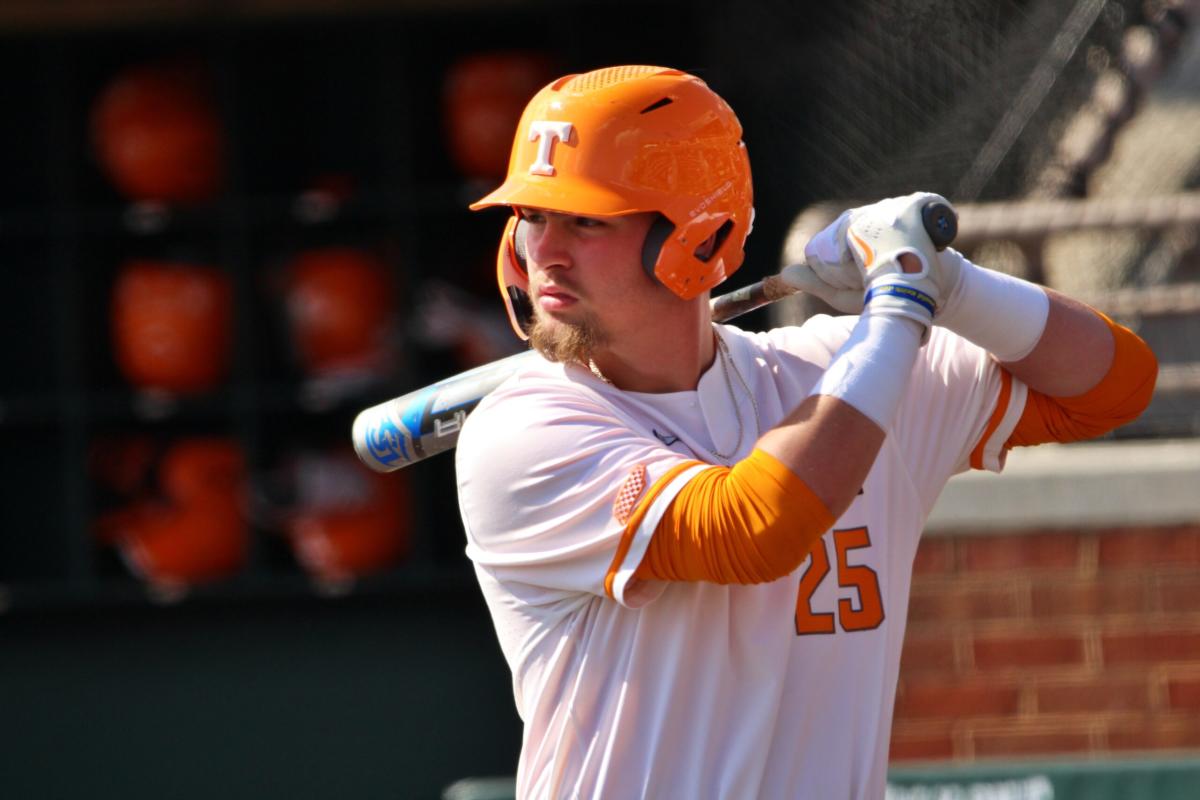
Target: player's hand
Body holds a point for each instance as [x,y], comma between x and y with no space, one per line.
[878,236]
[804,278]
[829,270]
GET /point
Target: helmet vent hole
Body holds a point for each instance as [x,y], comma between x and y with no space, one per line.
[710,246]
[666,101]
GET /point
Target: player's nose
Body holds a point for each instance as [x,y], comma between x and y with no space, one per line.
[547,244]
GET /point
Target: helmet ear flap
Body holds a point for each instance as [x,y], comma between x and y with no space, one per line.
[520,251]
[660,229]
[512,275]
[672,262]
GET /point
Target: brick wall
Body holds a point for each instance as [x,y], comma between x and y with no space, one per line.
[1052,643]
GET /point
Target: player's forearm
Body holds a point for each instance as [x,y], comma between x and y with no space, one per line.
[828,444]
[757,521]
[1056,345]
[1086,375]
[832,438]
[1074,352]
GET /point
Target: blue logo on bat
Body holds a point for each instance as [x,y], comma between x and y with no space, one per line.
[387,442]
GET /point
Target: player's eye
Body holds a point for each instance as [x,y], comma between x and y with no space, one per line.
[589,222]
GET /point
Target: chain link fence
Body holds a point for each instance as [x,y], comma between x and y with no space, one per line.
[1066,133]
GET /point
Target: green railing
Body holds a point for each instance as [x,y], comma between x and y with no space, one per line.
[1142,779]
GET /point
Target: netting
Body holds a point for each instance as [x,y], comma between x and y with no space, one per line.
[963,97]
[1025,102]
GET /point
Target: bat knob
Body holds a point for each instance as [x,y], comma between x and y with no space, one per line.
[941,223]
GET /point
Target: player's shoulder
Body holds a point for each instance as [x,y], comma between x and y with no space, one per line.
[538,384]
[816,340]
[535,397]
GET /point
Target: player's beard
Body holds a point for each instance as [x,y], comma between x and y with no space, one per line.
[566,341]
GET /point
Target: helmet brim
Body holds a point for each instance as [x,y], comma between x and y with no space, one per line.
[561,193]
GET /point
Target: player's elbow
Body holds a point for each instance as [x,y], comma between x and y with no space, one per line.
[773,518]
[731,549]
[754,523]
[1130,387]
[782,547]
[1143,389]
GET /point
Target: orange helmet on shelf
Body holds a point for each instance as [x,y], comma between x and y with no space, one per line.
[624,140]
[157,135]
[179,546]
[172,325]
[482,98]
[341,309]
[193,530]
[350,521]
[196,467]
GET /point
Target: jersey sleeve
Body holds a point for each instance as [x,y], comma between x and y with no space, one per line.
[750,523]
[960,409]
[542,472]
[1121,395]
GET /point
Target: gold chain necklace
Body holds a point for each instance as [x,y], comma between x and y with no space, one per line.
[727,366]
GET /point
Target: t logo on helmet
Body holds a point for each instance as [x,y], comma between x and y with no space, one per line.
[545,133]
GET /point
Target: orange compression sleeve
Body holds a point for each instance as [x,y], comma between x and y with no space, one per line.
[750,523]
[1120,396]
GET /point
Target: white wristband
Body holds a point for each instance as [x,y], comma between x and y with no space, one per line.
[871,370]
[1002,314]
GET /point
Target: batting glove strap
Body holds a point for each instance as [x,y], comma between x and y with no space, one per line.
[878,235]
[894,296]
[905,292]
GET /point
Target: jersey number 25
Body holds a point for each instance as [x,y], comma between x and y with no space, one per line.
[869,613]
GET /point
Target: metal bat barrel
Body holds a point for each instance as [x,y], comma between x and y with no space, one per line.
[423,423]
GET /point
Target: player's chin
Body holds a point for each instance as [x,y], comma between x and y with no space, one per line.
[565,340]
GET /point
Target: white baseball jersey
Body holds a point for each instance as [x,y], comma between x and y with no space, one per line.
[700,690]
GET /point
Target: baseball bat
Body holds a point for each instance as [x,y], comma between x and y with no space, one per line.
[415,426]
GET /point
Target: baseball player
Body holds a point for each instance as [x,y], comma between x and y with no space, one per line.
[696,541]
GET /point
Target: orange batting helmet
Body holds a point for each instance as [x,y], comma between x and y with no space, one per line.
[157,134]
[172,324]
[624,140]
[341,308]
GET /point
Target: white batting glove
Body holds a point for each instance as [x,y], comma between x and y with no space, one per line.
[828,253]
[828,270]
[803,277]
[878,235]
